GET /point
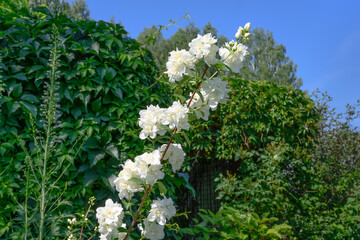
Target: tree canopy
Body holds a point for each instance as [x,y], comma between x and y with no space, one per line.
[77,9]
[267,61]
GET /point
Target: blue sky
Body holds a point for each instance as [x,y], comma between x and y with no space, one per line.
[321,37]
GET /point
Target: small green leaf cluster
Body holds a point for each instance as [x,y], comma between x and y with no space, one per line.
[231,223]
[105,78]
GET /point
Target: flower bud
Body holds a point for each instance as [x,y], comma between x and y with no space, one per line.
[247,27]
[239,33]
[247,35]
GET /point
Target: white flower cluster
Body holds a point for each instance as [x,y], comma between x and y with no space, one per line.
[204,47]
[152,230]
[110,219]
[146,167]
[233,55]
[175,155]
[150,121]
[161,210]
[182,62]
[214,91]
[154,116]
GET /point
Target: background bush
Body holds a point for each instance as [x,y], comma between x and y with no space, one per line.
[287,157]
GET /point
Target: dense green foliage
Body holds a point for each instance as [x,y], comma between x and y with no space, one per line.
[257,114]
[104,80]
[286,161]
[229,223]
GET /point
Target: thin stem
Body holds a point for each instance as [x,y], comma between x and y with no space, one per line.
[197,86]
[47,147]
[26,199]
[138,212]
[162,157]
[91,203]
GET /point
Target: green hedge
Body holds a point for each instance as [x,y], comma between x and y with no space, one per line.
[278,164]
[104,81]
[256,114]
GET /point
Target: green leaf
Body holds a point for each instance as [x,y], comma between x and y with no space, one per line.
[89,178]
[28,107]
[95,157]
[20,76]
[137,180]
[188,185]
[108,43]
[166,128]
[162,188]
[186,138]
[96,105]
[95,47]
[16,90]
[110,74]
[30,98]
[76,112]
[113,151]
[118,93]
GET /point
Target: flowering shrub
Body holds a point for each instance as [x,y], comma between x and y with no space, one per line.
[158,123]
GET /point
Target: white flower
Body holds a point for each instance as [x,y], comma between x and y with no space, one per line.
[110,218]
[149,121]
[162,210]
[175,155]
[201,109]
[152,231]
[176,116]
[204,47]
[216,92]
[125,187]
[233,55]
[180,62]
[148,167]
[239,33]
[247,26]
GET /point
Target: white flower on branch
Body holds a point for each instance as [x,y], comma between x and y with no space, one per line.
[204,47]
[152,230]
[180,62]
[162,210]
[213,91]
[148,167]
[110,219]
[176,116]
[149,121]
[125,187]
[233,55]
[201,108]
[216,92]
[175,155]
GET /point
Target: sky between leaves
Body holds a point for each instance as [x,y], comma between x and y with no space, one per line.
[321,37]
